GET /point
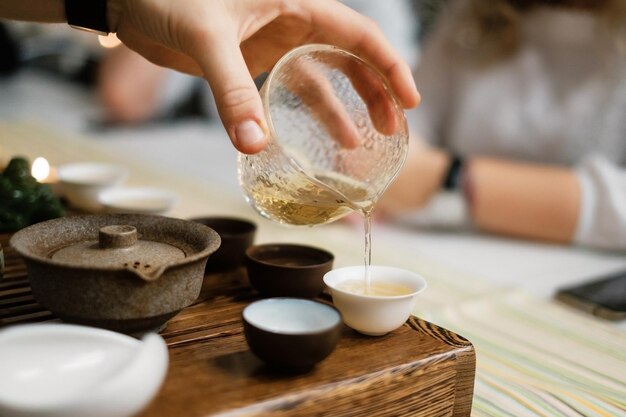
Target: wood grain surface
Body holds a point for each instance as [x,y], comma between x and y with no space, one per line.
[418,370]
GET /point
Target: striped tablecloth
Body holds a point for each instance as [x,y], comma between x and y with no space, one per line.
[535,357]
[538,358]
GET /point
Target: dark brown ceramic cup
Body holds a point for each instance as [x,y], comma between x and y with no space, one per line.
[292,334]
[287,270]
[236,234]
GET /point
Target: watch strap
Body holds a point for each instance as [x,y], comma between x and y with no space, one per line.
[453,175]
[89,15]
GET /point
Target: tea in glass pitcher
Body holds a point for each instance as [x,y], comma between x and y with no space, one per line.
[311,203]
[338,137]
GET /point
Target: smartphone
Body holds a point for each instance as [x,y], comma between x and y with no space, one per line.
[604,297]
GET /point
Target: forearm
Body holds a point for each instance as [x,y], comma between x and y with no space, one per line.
[129,86]
[526,200]
[50,11]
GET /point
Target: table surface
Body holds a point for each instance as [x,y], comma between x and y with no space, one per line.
[535,357]
[424,369]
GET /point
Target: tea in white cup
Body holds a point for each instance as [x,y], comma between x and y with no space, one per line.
[384,307]
[377,288]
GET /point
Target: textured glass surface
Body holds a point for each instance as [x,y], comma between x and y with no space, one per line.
[338,138]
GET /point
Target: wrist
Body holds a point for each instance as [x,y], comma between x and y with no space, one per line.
[467,187]
[453,174]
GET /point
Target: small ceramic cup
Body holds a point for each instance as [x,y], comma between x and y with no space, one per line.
[137,200]
[385,307]
[81,183]
[71,371]
[287,270]
[237,235]
[291,333]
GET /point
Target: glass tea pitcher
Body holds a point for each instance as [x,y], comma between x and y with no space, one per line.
[338,137]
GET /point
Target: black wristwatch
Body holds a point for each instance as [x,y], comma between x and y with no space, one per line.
[452,179]
[89,15]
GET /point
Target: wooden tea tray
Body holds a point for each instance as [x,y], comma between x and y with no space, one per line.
[418,370]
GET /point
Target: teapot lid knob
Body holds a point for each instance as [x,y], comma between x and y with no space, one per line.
[117,236]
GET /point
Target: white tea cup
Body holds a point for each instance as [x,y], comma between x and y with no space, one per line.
[385,307]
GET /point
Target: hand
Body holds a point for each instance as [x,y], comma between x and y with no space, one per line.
[308,81]
[230,42]
[418,181]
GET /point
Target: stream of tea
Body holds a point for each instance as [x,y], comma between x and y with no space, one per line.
[356,196]
[312,203]
[367,257]
[367,286]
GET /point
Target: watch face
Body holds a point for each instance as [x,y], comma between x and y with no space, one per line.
[90,16]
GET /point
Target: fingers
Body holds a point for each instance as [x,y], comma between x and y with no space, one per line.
[368,85]
[183,39]
[308,80]
[337,24]
[236,95]
[215,55]
[316,92]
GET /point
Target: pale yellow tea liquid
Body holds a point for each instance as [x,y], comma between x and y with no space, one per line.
[384,289]
[312,204]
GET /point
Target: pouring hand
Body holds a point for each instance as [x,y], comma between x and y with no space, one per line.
[229,42]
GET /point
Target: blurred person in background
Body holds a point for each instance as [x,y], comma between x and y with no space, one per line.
[523,115]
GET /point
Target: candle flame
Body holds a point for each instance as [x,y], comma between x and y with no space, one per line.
[40,169]
[109,41]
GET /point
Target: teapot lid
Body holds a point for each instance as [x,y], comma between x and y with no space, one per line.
[119,246]
[144,245]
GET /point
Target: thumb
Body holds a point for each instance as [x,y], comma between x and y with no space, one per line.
[236,96]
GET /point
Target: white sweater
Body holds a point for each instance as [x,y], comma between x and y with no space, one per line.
[560,99]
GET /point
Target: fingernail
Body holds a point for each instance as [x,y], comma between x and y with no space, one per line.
[249,134]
